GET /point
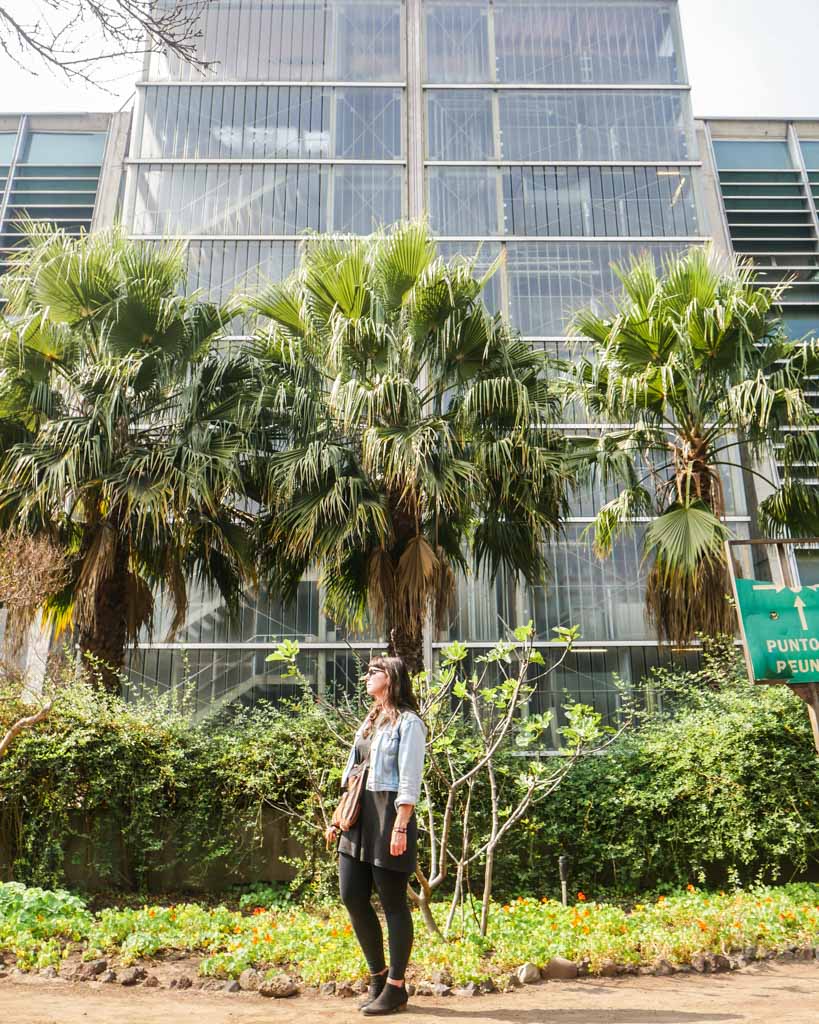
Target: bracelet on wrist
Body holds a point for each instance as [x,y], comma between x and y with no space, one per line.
[397,829]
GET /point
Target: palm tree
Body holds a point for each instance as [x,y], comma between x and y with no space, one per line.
[408,425]
[693,368]
[122,431]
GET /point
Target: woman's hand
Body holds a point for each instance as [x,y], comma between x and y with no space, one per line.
[398,839]
[330,835]
[398,843]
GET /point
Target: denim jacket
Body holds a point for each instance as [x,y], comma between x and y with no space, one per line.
[396,758]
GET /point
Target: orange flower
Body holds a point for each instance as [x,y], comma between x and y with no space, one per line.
[581,897]
[257,911]
[151,913]
[586,929]
[703,926]
[690,887]
[237,929]
[348,929]
[661,899]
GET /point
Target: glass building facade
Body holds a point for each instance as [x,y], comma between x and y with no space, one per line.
[558,131]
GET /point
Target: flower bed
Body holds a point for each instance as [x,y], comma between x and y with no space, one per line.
[42,928]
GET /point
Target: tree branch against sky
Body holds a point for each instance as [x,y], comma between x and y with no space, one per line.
[79,38]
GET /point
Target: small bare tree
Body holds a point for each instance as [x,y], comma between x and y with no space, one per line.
[497,712]
[32,570]
[78,37]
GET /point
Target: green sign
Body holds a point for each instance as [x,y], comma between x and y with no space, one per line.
[780,628]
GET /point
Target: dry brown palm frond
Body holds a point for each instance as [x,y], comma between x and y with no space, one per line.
[381,584]
[681,605]
[98,565]
[418,569]
[139,603]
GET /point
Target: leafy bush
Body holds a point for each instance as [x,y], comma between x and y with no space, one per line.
[722,786]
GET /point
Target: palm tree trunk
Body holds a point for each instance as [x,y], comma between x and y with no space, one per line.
[104,636]
[407,643]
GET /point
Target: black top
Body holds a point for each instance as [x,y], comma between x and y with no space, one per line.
[369,839]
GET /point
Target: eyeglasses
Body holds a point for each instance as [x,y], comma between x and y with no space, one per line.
[374,672]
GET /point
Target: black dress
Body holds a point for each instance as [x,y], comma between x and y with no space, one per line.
[369,839]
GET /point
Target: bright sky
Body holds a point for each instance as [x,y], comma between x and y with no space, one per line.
[745,57]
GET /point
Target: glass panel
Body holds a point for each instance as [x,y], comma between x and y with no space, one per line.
[605,597]
[761,153]
[219,676]
[7,143]
[459,125]
[219,267]
[465,200]
[549,281]
[294,40]
[266,122]
[810,154]
[558,125]
[562,42]
[275,199]
[64,147]
[595,126]
[366,198]
[542,201]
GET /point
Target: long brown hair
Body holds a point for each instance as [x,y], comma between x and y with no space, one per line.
[399,695]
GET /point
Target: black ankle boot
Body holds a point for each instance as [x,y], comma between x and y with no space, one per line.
[392,999]
[377,983]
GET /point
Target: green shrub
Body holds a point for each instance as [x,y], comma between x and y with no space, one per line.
[722,788]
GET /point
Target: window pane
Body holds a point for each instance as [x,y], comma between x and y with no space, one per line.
[565,42]
[459,125]
[558,125]
[366,198]
[810,154]
[465,200]
[293,40]
[64,148]
[542,201]
[740,155]
[594,126]
[258,199]
[549,281]
[219,267]
[261,122]
[7,141]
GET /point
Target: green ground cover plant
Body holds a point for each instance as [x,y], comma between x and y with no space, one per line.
[40,928]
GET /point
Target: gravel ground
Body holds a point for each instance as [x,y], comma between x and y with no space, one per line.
[764,993]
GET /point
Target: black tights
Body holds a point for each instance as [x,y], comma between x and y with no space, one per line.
[356,879]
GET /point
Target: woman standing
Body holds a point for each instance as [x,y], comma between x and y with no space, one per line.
[380,849]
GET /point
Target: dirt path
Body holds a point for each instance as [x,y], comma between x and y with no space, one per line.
[761,994]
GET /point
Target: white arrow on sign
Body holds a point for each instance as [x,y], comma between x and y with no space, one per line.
[799,605]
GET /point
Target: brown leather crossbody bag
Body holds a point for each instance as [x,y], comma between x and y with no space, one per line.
[348,810]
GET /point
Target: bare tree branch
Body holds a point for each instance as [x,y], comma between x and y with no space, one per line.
[24,723]
[78,37]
